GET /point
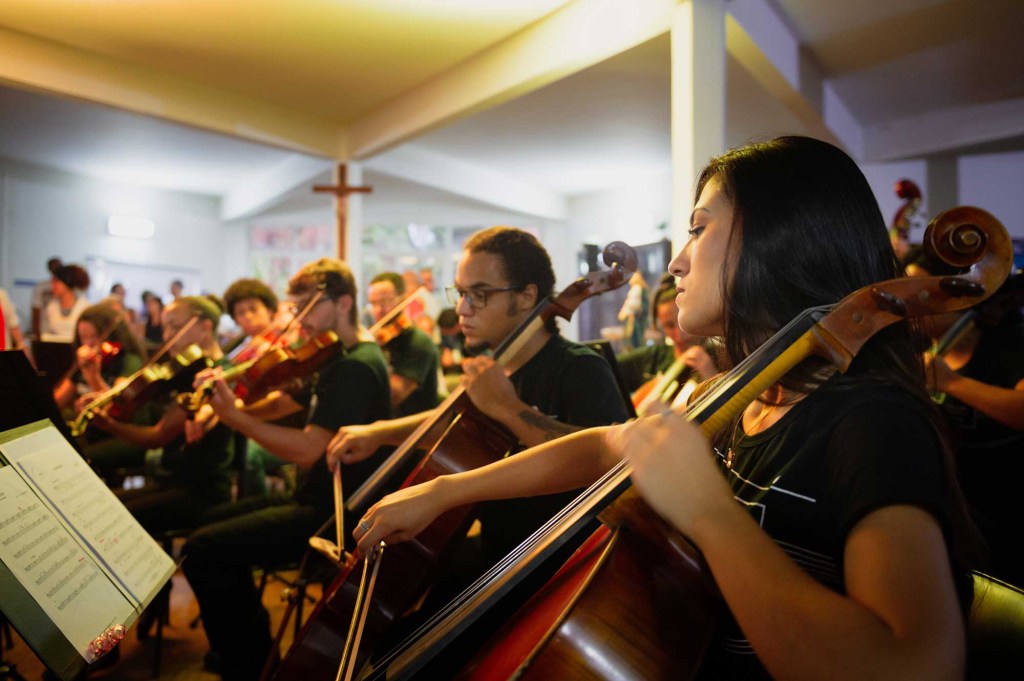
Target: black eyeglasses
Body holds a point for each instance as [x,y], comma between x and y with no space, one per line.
[477,297]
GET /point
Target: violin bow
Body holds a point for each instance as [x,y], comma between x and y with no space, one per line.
[393,313]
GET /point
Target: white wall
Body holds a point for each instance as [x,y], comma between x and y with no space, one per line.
[989,181]
[995,182]
[46,213]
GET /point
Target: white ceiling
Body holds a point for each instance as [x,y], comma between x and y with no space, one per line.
[890,63]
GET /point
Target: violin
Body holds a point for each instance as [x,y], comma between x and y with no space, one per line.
[385,333]
[276,369]
[613,611]
[145,385]
[392,324]
[148,382]
[457,437]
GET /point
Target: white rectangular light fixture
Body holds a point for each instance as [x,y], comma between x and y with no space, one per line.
[130,226]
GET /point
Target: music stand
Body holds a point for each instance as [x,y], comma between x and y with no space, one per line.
[53,360]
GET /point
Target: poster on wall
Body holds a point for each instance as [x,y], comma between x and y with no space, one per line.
[274,270]
[317,241]
[276,252]
[270,238]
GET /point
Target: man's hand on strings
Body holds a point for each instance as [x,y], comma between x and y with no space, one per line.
[206,375]
[937,372]
[354,443]
[223,403]
[489,388]
[84,401]
[201,423]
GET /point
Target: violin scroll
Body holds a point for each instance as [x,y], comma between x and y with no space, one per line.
[621,256]
[960,236]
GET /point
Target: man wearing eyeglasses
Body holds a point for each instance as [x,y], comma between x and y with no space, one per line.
[557,387]
[350,389]
[411,353]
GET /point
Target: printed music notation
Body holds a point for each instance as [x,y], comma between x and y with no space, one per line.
[53,567]
[129,556]
[74,549]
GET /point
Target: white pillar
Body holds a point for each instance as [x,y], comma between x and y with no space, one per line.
[354,231]
[698,100]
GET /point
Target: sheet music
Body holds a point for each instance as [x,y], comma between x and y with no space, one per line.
[53,567]
[125,551]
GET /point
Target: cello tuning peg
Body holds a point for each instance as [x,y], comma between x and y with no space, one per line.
[888,302]
[958,287]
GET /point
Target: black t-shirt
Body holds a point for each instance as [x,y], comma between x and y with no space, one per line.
[413,355]
[835,457]
[575,385]
[352,389]
[203,466]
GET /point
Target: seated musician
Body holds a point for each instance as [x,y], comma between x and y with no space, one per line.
[106,355]
[99,367]
[978,382]
[844,557]
[559,386]
[252,305]
[352,388]
[191,478]
[411,354]
[646,364]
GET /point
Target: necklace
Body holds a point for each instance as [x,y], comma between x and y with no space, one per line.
[730,454]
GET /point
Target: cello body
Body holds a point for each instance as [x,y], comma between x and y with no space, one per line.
[466,440]
[635,588]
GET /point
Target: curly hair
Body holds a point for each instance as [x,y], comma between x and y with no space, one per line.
[524,260]
[245,289]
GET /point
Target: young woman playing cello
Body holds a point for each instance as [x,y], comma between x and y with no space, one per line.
[844,557]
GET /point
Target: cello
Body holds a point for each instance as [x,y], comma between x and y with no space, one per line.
[635,600]
[458,437]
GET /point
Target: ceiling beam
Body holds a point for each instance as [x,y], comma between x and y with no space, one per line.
[31,63]
[764,44]
[272,185]
[469,180]
[944,131]
[569,40]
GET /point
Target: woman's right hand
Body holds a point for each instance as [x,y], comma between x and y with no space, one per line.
[354,443]
[400,516]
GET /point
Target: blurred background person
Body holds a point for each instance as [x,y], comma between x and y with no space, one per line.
[41,295]
[11,337]
[69,283]
[152,328]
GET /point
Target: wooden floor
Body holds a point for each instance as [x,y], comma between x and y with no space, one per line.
[183,646]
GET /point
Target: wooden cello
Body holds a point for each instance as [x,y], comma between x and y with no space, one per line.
[457,437]
[633,602]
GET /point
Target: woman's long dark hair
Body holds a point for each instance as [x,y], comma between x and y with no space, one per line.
[809,231]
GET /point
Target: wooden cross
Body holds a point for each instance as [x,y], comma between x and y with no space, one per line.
[341,191]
